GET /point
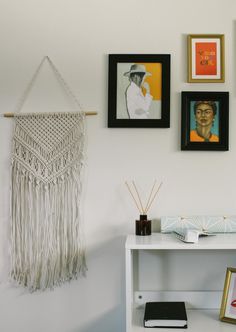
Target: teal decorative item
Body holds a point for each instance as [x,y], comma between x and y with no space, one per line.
[213,224]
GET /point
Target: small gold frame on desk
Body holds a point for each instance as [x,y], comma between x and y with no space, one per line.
[228,304]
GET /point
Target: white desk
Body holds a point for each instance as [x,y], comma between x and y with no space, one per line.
[199,320]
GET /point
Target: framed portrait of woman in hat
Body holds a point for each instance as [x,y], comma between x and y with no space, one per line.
[139,91]
[205,120]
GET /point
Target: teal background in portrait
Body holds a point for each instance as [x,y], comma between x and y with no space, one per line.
[215,128]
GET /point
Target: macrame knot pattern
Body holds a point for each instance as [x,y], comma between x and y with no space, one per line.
[46,239]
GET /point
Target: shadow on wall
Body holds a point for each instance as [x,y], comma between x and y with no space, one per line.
[234,49]
[106,266]
[109,322]
[156,225]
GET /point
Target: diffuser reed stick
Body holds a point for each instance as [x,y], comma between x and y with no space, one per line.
[150,195]
[140,211]
[138,201]
[148,207]
[138,196]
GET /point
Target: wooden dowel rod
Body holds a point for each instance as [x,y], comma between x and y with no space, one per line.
[91,113]
[8,115]
[11,115]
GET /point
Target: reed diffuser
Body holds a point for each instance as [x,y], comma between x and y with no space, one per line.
[143,226]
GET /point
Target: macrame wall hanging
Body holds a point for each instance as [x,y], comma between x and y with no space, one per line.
[46,240]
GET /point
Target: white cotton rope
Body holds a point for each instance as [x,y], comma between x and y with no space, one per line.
[46,238]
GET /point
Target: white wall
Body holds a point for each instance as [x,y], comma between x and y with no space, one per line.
[78,35]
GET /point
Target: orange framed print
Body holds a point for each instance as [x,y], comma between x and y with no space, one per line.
[228,303]
[206,59]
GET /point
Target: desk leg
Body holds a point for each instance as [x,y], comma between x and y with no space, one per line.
[129,288]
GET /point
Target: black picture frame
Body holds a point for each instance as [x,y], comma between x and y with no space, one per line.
[218,139]
[121,66]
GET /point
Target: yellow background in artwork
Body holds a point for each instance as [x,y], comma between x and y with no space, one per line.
[154,81]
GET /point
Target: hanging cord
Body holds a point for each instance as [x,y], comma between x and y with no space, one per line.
[64,84]
[32,81]
[58,76]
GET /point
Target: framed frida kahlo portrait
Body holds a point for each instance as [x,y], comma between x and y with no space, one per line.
[204,120]
[228,304]
[206,58]
[139,90]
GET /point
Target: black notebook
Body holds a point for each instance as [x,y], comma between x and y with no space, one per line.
[165,314]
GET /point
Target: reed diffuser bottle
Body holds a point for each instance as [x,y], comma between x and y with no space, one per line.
[143,226]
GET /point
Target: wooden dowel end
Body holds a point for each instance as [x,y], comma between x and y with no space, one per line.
[91,113]
[8,115]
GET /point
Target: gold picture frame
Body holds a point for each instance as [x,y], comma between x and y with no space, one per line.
[228,304]
[206,58]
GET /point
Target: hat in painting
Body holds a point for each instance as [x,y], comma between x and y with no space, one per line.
[137,68]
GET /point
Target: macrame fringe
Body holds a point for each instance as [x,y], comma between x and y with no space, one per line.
[46,235]
[46,246]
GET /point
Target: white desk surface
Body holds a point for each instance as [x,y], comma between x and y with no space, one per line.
[169,241]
